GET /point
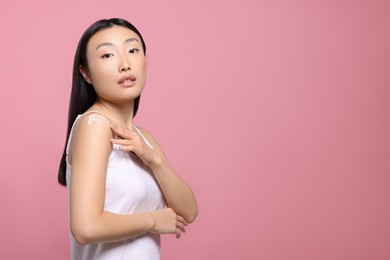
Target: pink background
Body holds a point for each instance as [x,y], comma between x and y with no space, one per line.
[276,113]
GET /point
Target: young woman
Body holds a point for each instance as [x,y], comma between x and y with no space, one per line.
[123,193]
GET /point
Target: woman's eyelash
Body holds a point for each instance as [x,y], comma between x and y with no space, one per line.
[106,55]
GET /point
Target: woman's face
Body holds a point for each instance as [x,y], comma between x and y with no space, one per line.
[116,64]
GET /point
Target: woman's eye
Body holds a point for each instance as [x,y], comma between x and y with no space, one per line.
[106,55]
[135,50]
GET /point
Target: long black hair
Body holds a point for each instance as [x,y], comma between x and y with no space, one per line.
[83,95]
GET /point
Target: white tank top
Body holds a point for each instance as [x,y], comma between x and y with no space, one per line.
[130,188]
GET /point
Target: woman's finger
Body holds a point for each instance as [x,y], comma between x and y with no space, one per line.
[120,131]
[121,141]
[178,232]
[180,226]
[182,220]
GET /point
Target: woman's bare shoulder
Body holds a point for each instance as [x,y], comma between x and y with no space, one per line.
[90,120]
[91,135]
[92,126]
[146,133]
[148,136]
[95,119]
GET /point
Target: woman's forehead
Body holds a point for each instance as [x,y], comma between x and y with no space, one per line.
[116,35]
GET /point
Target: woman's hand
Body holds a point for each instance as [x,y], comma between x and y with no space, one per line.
[166,221]
[131,141]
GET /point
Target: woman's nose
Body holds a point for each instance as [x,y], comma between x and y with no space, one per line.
[125,65]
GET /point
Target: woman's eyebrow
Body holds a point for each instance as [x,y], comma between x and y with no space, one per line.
[131,39]
[110,44]
[104,44]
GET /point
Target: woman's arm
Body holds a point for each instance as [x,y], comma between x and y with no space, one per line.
[89,223]
[177,193]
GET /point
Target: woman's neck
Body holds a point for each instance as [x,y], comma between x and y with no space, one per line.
[121,114]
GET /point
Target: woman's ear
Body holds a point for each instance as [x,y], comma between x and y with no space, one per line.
[84,71]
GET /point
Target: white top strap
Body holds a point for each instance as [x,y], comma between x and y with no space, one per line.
[143,137]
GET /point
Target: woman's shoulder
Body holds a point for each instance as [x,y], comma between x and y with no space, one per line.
[92,122]
[91,134]
[149,137]
[144,132]
[95,118]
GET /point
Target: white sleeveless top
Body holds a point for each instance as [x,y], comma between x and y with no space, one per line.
[130,188]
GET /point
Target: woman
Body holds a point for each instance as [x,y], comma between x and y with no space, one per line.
[118,178]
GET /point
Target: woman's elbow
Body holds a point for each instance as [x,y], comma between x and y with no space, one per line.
[192,215]
[83,234]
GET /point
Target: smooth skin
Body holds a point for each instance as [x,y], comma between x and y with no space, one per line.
[112,54]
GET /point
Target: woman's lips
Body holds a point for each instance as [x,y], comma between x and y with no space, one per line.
[127,81]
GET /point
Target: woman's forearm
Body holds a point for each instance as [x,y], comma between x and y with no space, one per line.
[179,196]
[110,227]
